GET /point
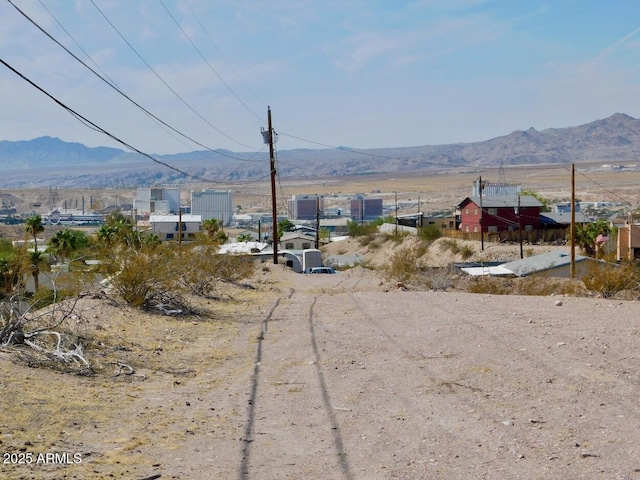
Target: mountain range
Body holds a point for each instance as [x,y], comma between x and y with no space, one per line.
[47,161]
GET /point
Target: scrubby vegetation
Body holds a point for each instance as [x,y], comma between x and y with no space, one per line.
[536,286]
[138,270]
[608,279]
[405,263]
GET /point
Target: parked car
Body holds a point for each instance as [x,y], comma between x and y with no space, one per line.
[320,270]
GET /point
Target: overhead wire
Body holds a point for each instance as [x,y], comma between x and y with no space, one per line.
[204,59]
[88,123]
[205,31]
[55,19]
[164,82]
[111,84]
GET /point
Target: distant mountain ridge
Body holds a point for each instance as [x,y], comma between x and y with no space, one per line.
[50,161]
[51,151]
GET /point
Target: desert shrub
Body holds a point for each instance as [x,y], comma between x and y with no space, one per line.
[364,263]
[404,264]
[396,237]
[421,249]
[609,278]
[375,245]
[490,285]
[141,276]
[440,278]
[364,240]
[541,286]
[151,274]
[533,286]
[429,233]
[451,245]
[466,252]
[529,252]
[355,229]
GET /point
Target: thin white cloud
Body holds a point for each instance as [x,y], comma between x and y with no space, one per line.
[611,48]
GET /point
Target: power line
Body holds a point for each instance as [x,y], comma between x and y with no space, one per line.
[118,90]
[209,64]
[363,152]
[88,123]
[221,54]
[159,77]
[111,81]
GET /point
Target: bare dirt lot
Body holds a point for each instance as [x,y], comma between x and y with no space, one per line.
[341,376]
[338,377]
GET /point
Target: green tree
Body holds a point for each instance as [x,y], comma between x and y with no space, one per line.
[544,201]
[213,230]
[11,270]
[33,226]
[244,237]
[355,229]
[67,242]
[586,234]
[36,260]
[118,229]
[325,233]
[285,226]
[429,233]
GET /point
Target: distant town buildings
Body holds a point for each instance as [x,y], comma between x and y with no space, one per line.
[165,199]
[496,189]
[213,204]
[171,227]
[499,213]
[305,207]
[363,208]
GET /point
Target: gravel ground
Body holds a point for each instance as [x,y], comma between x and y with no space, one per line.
[357,383]
[345,377]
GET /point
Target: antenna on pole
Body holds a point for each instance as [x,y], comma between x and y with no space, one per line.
[502,180]
[267,136]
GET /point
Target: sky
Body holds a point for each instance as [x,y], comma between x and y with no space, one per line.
[351,73]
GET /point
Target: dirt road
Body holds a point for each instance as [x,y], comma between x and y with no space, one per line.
[355,383]
[342,377]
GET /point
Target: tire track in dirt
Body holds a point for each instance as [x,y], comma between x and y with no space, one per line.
[267,422]
[361,383]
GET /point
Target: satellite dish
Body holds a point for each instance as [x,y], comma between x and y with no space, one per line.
[54,217]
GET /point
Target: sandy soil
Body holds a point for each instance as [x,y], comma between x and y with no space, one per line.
[338,377]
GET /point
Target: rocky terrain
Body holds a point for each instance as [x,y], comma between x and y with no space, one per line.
[48,161]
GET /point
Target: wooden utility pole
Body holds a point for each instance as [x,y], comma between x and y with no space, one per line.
[396,213]
[179,228]
[573,221]
[272,164]
[318,222]
[520,227]
[481,212]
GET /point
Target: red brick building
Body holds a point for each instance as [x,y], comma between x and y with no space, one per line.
[499,214]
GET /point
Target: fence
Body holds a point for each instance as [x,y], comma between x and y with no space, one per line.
[547,235]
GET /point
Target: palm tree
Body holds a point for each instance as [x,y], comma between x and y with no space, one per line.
[36,259]
[63,243]
[33,226]
[210,226]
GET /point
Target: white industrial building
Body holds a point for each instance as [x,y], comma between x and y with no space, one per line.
[166,227]
[213,204]
[164,199]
